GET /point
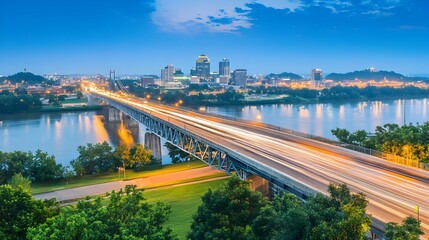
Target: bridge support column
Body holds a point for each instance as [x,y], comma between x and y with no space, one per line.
[153,142]
[258,184]
[113,115]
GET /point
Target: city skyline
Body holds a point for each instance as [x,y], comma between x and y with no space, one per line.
[260,35]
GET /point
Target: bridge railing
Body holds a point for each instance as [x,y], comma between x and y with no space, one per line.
[386,156]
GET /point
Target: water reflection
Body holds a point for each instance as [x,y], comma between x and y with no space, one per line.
[321,118]
[60,134]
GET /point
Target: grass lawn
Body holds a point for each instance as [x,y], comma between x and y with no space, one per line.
[184,201]
[75,100]
[109,177]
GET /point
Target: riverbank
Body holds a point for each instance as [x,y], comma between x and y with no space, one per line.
[75,108]
[295,100]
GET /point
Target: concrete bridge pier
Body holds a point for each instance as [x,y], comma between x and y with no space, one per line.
[153,142]
[114,115]
[258,184]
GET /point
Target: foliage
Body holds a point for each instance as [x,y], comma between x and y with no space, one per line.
[177,155]
[136,157]
[10,103]
[228,212]
[291,76]
[409,141]
[367,74]
[94,158]
[338,216]
[27,77]
[126,216]
[37,167]
[140,156]
[19,211]
[79,95]
[408,230]
[236,212]
[19,181]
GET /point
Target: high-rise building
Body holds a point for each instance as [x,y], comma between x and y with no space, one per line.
[224,68]
[202,67]
[239,76]
[167,73]
[316,78]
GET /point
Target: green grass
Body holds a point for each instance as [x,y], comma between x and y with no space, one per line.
[75,100]
[109,177]
[184,201]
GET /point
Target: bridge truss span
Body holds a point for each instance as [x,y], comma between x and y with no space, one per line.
[213,154]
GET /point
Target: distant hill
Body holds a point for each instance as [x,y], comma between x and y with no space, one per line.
[367,74]
[292,76]
[26,76]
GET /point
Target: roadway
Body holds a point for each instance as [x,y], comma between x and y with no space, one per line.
[393,190]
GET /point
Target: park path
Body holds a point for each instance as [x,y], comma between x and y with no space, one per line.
[97,189]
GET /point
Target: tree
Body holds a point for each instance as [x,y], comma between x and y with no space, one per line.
[79,95]
[140,156]
[19,211]
[94,158]
[18,181]
[44,167]
[336,217]
[228,212]
[126,216]
[342,134]
[409,230]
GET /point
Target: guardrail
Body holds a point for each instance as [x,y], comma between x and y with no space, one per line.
[386,156]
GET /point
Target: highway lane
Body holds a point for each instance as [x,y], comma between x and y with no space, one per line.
[392,190]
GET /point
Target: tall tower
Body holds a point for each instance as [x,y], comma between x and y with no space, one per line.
[202,67]
[316,78]
[224,68]
[167,73]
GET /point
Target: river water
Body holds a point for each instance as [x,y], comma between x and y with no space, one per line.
[61,133]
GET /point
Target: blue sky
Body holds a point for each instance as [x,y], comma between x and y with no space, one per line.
[264,36]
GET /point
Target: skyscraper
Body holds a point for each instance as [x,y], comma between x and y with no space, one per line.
[316,78]
[202,67]
[167,73]
[239,76]
[224,69]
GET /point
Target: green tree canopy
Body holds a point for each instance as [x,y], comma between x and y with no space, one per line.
[125,216]
[408,230]
[18,181]
[94,158]
[19,211]
[228,212]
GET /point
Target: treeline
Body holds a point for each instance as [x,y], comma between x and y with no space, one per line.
[124,215]
[9,103]
[344,93]
[234,211]
[92,159]
[101,158]
[196,95]
[37,167]
[367,74]
[409,141]
[371,92]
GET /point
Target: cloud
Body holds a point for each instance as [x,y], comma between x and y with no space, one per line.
[211,15]
[192,16]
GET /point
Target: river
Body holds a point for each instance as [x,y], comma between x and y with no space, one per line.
[60,134]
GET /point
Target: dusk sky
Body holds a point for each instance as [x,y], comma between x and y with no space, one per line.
[264,36]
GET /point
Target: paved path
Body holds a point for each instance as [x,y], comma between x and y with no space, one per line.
[81,192]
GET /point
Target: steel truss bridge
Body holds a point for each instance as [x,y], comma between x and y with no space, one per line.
[295,164]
